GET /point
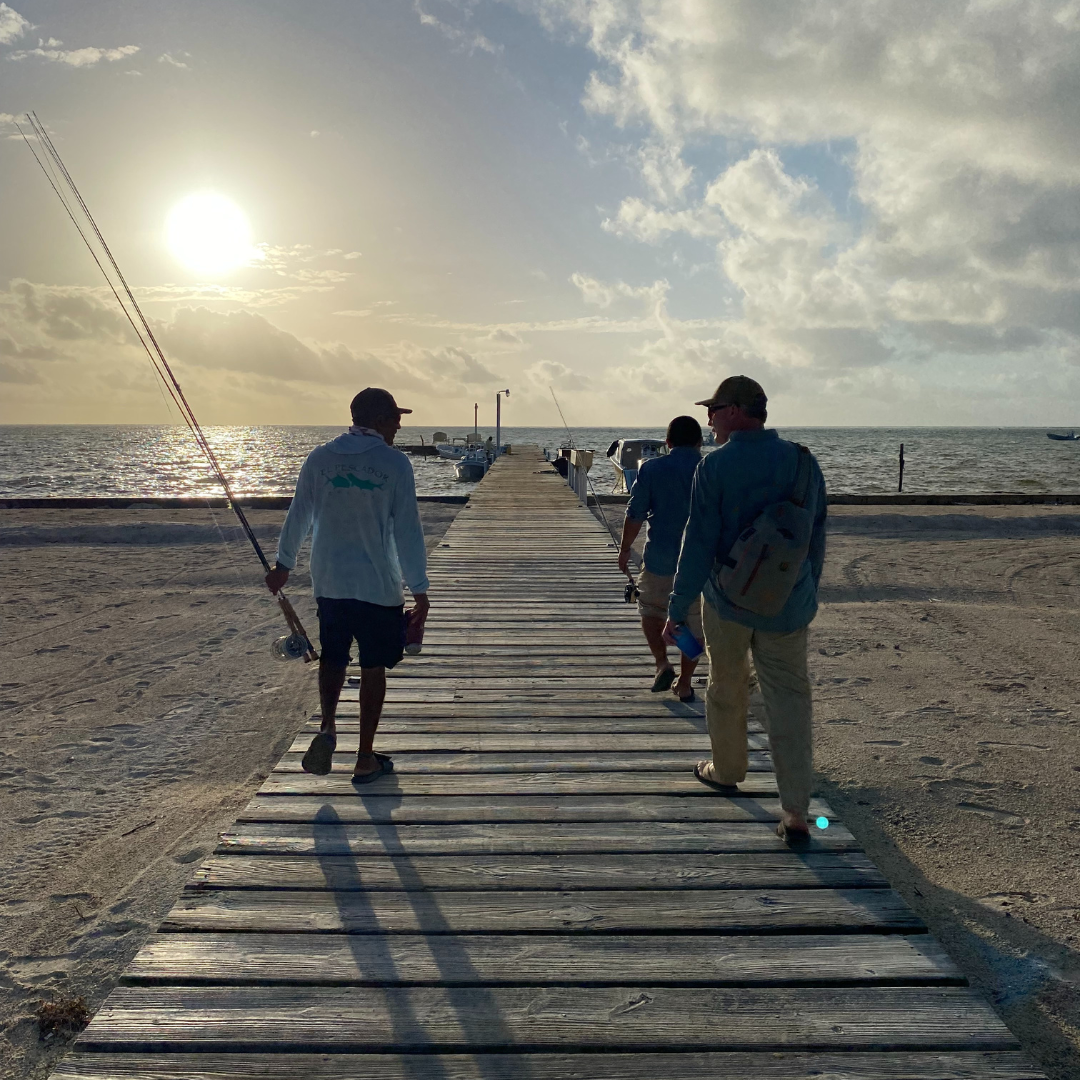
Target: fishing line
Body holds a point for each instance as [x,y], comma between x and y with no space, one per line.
[588,478]
[57,174]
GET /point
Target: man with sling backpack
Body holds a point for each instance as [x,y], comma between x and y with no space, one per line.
[754,546]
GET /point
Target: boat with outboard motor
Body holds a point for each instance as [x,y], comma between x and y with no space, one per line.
[473,465]
[627,455]
[1071,437]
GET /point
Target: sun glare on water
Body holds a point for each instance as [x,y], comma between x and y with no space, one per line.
[209,233]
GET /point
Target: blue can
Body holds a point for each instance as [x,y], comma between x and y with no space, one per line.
[689,645]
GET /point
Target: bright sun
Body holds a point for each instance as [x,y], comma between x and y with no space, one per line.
[209,233]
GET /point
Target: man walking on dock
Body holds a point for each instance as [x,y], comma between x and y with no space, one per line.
[358,494]
[754,470]
[661,496]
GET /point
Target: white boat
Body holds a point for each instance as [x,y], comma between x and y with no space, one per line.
[473,465]
[456,448]
[627,455]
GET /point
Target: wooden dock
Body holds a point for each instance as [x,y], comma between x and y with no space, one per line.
[541,890]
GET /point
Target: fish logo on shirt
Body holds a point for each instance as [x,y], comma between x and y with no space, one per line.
[354,481]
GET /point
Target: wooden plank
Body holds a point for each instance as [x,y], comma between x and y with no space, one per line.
[513,838]
[487,723]
[788,1065]
[549,783]
[693,744]
[508,911]
[344,1018]
[346,873]
[576,761]
[523,960]
[436,809]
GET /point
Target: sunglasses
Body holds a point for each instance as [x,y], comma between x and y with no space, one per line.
[716,408]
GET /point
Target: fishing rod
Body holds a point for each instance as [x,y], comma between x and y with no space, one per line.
[588,480]
[297,644]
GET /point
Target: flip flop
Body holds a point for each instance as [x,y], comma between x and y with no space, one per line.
[385,760]
[663,680]
[793,837]
[368,778]
[724,789]
[689,697]
[319,758]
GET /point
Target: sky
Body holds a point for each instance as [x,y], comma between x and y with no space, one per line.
[872,207]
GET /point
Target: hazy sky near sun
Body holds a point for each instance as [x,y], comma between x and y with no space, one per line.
[871,207]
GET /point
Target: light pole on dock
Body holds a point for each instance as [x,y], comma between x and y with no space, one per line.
[498,419]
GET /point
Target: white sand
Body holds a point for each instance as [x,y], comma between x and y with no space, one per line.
[139,698]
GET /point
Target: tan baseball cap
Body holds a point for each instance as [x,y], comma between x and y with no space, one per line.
[738,390]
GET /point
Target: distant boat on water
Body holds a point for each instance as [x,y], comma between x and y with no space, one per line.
[1071,437]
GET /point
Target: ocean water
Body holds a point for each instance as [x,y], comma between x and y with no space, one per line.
[68,460]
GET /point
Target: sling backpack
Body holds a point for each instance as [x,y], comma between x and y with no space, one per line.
[764,562]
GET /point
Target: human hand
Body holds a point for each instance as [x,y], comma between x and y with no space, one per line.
[624,562]
[275,580]
[421,606]
[669,632]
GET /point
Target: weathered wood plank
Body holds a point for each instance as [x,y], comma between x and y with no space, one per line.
[524,960]
[522,762]
[436,809]
[328,837]
[580,742]
[962,1065]
[346,873]
[544,783]
[434,1018]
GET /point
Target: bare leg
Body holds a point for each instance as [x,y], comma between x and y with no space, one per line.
[331,680]
[654,635]
[372,695]
[683,685]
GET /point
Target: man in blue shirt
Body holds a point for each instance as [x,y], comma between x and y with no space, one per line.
[661,496]
[754,469]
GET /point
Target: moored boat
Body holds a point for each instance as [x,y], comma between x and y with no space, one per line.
[627,455]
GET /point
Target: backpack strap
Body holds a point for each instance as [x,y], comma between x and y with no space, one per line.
[802,477]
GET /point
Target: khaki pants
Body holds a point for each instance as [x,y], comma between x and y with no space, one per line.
[780,660]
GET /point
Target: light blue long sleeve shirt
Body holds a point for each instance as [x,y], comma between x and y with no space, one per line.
[358,497]
[732,486]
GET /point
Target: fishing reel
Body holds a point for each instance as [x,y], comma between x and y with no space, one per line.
[290,647]
[631,592]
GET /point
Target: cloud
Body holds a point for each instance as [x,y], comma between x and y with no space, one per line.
[547,373]
[66,313]
[604,294]
[12,25]
[466,40]
[172,61]
[85,57]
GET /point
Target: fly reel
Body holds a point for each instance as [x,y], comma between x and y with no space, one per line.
[290,647]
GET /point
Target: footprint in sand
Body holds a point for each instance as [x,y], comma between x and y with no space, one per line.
[884,742]
[1016,745]
[1006,818]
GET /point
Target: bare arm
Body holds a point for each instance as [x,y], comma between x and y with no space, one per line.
[630,529]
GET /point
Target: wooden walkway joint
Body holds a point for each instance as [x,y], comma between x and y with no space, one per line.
[541,890]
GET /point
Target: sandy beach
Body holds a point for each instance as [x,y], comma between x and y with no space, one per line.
[140,708]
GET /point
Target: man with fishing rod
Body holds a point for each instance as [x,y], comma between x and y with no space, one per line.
[358,496]
[755,546]
[661,496]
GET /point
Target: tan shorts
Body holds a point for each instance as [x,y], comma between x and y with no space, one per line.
[654,590]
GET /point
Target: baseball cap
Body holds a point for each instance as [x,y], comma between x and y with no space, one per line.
[373,403]
[738,390]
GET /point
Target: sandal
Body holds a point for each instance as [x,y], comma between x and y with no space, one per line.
[319,758]
[724,789]
[385,760]
[663,680]
[793,837]
[689,697]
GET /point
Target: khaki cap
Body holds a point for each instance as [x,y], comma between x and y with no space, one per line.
[738,390]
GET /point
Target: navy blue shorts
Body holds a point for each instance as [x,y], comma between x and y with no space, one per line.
[379,632]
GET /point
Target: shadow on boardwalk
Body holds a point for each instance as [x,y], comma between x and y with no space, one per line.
[477,1011]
